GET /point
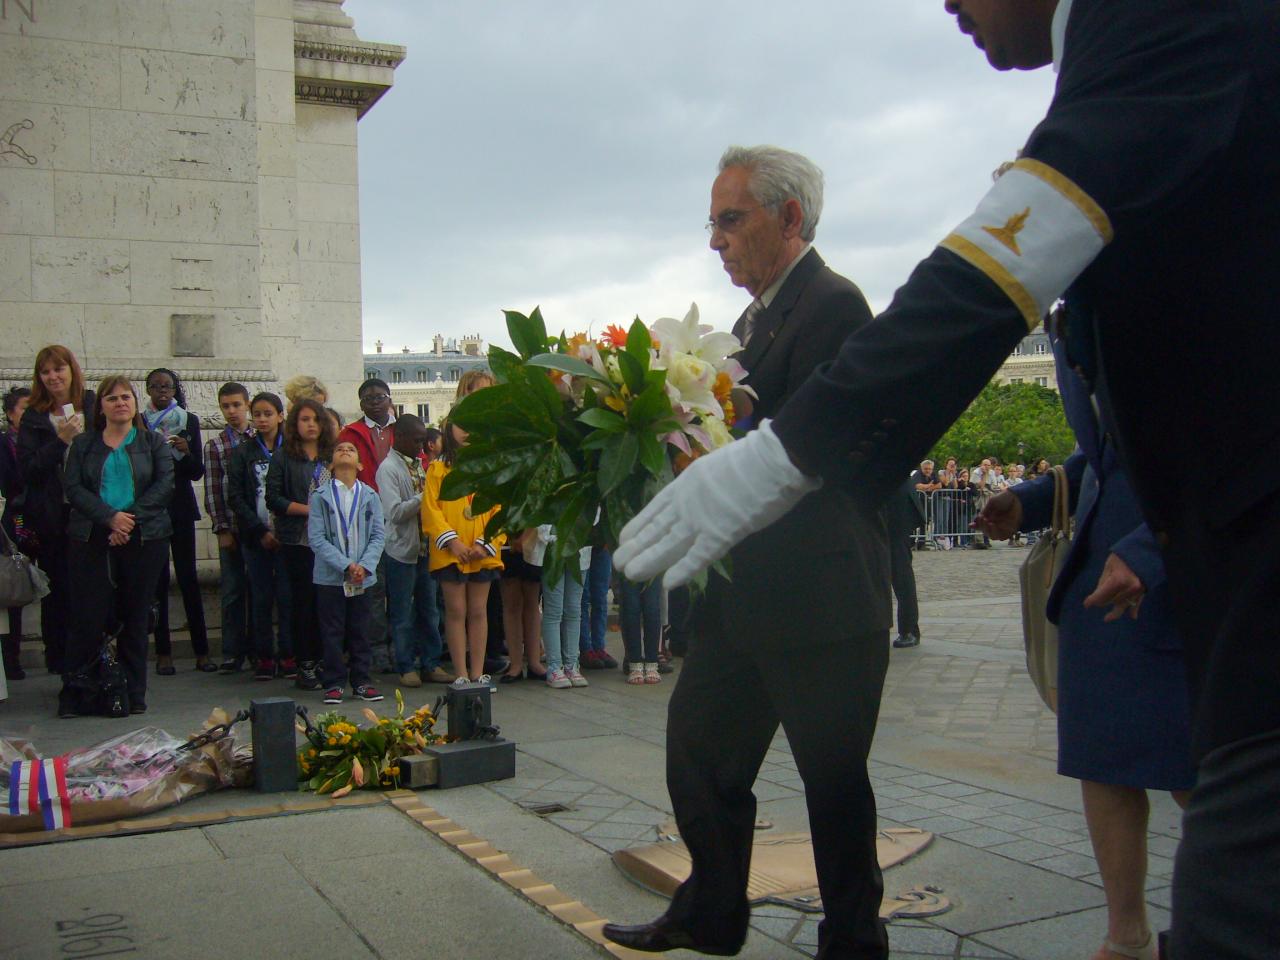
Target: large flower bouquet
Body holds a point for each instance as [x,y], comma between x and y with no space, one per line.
[339,756]
[581,433]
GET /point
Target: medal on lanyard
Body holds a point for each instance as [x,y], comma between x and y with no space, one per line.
[466,511]
[348,522]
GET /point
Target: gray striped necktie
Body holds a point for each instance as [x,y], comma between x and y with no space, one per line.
[749,320]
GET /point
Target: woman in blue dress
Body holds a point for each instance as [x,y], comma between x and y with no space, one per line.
[1123,704]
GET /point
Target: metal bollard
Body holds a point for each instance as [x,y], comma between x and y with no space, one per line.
[275,761]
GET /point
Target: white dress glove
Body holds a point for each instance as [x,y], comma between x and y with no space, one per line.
[716,502]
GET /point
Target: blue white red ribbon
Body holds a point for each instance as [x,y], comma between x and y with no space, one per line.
[40,787]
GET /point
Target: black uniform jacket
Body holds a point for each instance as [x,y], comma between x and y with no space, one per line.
[822,571]
[1150,196]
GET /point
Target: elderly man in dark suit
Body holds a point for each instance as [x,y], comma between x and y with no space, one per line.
[799,635]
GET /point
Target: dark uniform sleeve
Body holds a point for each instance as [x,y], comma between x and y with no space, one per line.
[1149,93]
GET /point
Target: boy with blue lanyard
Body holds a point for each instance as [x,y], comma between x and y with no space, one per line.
[346,534]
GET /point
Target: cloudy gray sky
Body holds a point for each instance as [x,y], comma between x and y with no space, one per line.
[560,152]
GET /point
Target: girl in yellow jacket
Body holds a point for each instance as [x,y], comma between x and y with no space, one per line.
[462,561]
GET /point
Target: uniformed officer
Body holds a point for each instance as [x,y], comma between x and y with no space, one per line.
[1150,197]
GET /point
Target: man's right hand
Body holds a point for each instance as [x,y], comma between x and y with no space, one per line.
[1001,517]
[269,541]
[226,540]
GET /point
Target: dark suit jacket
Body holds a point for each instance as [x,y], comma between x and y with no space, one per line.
[822,571]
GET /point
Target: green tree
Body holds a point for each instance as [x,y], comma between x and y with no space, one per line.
[1001,417]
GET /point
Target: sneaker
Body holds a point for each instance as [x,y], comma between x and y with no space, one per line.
[651,674]
[591,660]
[366,692]
[308,676]
[411,679]
[230,665]
[488,681]
[460,682]
[576,678]
[557,680]
[266,669]
[287,668]
[333,695]
[607,661]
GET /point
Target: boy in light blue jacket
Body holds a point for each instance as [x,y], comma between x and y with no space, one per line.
[346,534]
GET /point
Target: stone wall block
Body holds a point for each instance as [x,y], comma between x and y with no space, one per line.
[274,8]
[332,242]
[153,144]
[321,123]
[277,150]
[327,163]
[195,274]
[124,331]
[144,208]
[279,256]
[29,326]
[73,270]
[26,200]
[282,310]
[94,21]
[189,26]
[15,268]
[185,84]
[274,42]
[275,96]
[328,203]
[277,203]
[331,282]
[59,71]
[44,136]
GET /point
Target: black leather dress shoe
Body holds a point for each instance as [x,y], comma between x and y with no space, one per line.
[666,934]
[907,640]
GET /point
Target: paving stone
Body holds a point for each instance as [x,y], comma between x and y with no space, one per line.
[895,791]
[982,837]
[618,831]
[1067,820]
[807,935]
[906,813]
[967,811]
[955,790]
[1052,835]
[596,799]
[1161,897]
[1069,864]
[1027,851]
[942,824]
[920,780]
[644,815]
[779,928]
[920,939]
[1031,810]
[929,801]
[1162,846]
[1004,821]
[1061,937]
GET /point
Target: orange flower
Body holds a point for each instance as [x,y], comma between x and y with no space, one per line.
[574,342]
[722,387]
[682,460]
[614,336]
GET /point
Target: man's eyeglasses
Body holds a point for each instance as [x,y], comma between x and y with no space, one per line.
[375,398]
[728,221]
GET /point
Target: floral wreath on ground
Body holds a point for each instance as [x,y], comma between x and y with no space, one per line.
[581,433]
[339,756]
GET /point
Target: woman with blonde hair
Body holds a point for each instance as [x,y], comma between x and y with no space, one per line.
[305,387]
[55,416]
[119,481]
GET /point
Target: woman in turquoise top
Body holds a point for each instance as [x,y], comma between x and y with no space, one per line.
[119,481]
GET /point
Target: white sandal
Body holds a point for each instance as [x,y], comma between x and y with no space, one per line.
[636,674]
[651,674]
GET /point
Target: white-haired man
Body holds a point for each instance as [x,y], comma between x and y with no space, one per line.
[1148,198]
[799,636]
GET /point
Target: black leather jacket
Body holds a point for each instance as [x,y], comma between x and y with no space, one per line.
[152,464]
[40,457]
[290,480]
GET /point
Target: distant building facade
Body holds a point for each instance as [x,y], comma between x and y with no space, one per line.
[1030,362]
[426,383]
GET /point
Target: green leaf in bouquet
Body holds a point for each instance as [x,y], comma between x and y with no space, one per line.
[506,366]
[600,440]
[632,371]
[652,455]
[528,334]
[503,406]
[603,419]
[565,364]
[617,462]
[546,392]
[639,342]
[651,405]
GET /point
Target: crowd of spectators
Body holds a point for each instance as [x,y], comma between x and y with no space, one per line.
[336,557]
[949,498]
